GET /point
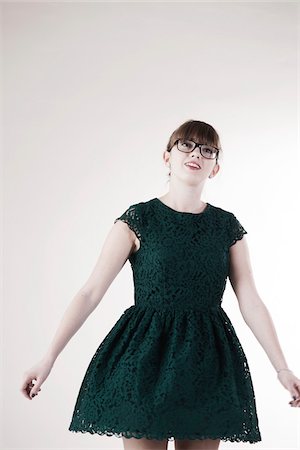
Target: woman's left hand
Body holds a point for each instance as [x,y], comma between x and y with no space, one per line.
[292,384]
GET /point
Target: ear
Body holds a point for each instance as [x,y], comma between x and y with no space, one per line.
[166,156]
[215,170]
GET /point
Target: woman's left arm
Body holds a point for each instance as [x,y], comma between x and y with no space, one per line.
[257,316]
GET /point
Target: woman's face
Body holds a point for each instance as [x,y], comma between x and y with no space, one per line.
[178,168]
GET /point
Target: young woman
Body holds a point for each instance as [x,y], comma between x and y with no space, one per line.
[172,367]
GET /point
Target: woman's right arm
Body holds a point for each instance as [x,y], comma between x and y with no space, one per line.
[117,247]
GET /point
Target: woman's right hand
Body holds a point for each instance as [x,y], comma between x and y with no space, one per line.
[37,373]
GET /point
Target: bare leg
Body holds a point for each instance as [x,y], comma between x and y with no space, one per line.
[144,444]
[197,444]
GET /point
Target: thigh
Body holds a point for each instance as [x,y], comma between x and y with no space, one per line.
[197,444]
[144,444]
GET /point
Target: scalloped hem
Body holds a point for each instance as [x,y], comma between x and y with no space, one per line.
[168,436]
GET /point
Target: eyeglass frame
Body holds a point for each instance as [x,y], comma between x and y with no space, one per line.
[200,148]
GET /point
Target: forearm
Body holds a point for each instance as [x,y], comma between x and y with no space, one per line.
[75,315]
[260,322]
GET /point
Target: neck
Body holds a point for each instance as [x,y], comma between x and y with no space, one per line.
[184,198]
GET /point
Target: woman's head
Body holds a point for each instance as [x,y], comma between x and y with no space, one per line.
[208,159]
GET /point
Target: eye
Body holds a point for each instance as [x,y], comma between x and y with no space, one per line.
[187,143]
[208,150]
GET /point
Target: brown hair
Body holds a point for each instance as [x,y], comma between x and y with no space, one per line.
[197,131]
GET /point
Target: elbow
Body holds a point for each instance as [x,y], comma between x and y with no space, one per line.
[89,296]
[252,310]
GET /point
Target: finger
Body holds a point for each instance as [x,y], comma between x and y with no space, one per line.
[294,403]
[34,391]
[27,385]
[297,389]
[25,391]
[294,393]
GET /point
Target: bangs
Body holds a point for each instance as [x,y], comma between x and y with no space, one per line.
[197,131]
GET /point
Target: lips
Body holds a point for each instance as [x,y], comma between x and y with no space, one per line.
[193,164]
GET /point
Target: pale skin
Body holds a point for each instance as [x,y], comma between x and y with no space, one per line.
[184,193]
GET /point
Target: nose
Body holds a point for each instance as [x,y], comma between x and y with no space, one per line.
[196,149]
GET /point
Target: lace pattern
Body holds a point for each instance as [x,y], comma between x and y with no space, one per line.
[172,366]
[168,435]
[236,230]
[133,219]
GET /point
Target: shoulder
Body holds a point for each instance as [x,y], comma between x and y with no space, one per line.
[144,204]
[142,207]
[135,212]
[230,223]
[223,213]
[234,229]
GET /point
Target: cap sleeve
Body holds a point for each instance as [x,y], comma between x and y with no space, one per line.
[133,219]
[236,230]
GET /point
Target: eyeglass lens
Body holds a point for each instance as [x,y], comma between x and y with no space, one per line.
[205,150]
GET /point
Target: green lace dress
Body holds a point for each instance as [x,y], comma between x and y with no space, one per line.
[172,366]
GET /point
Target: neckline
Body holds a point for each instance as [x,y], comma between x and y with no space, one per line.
[208,205]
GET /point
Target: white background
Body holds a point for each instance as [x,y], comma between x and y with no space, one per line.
[91,94]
